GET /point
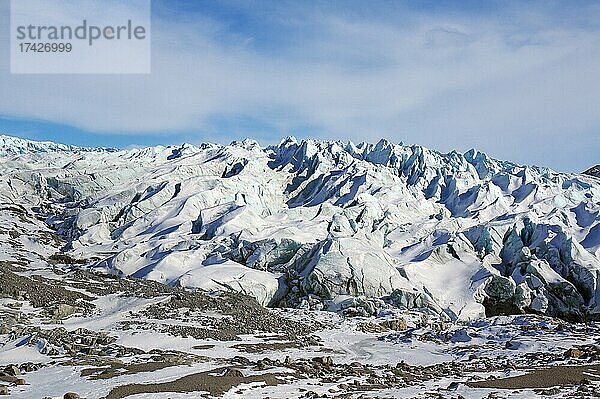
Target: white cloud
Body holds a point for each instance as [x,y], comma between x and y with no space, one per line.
[446,82]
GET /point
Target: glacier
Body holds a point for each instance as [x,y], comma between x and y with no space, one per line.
[317,224]
[593,171]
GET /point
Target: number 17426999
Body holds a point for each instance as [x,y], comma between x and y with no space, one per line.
[45,47]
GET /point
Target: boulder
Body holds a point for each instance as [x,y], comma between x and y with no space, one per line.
[385,326]
[231,372]
[573,353]
[8,378]
[12,370]
[357,306]
[395,324]
[64,311]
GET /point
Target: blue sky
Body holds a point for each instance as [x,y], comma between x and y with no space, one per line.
[518,80]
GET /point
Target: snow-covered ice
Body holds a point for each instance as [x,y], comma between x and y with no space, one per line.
[460,246]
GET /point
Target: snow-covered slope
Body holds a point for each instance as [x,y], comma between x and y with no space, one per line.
[325,224]
[593,171]
[11,146]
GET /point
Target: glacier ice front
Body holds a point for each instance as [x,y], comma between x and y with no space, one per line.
[313,223]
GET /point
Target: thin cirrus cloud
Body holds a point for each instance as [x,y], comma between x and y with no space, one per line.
[521,82]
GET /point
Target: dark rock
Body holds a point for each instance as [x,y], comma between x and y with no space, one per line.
[12,370]
[261,365]
[325,361]
[233,372]
[8,378]
[593,171]
[511,345]
[573,353]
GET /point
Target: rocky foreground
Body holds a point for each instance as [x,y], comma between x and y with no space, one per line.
[304,270]
[68,331]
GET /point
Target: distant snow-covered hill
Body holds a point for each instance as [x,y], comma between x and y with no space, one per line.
[11,146]
[324,224]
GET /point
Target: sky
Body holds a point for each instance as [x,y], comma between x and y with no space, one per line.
[517,80]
